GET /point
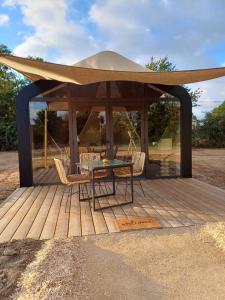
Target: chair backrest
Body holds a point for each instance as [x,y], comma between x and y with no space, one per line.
[61,171]
[89,156]
[115,150]
[138,158]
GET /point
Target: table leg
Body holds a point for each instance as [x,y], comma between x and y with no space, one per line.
[131,183]
[93,189]
[113,177]
[79,190]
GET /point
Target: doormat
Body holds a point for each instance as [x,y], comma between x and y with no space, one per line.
[132,223]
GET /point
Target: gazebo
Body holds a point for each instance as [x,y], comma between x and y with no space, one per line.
[108,104]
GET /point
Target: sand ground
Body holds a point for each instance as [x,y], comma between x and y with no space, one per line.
[182,263]
[209,166]
[9,173]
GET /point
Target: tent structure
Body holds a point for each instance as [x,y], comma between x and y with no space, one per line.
[104,66]
[108,84]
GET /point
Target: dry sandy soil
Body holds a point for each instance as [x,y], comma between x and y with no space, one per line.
[155,264]
[9,173]
[209,166]
[182,263]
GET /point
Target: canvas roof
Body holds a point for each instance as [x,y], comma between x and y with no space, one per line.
[109,60]
[104,66]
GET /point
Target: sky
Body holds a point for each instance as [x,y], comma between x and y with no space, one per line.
[190,32]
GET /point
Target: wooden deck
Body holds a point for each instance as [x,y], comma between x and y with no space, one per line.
[46,176]
[45,212]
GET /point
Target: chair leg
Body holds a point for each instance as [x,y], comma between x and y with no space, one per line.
[85,184]
[82,191]
[141,186]
[126,189]
[101,188]
[69,199]
[107,187]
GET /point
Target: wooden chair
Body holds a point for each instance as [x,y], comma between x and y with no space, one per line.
[91,156]
[115,150]
[72,179]
[138,159]
[99,175]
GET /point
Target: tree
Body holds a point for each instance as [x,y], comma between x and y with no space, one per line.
[212,129]
[35,58]
[164,65]
[10,85]
[164,115]
[160,65]
[57,128]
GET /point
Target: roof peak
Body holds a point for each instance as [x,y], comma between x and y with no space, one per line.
[110,60]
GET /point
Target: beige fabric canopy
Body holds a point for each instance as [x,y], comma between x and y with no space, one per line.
[104,66]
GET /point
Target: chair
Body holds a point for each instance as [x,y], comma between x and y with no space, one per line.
[91,156]
[72,179]
[101,174]
[115,150]
[138,159]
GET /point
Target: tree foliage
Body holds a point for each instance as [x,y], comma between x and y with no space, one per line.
[10,85]
[164,115]
[165,65]
[57,128]
[211,131]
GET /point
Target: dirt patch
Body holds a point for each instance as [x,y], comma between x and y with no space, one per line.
[14,257]
[209,166]
[181,263]
[157,264]
[57,272]
[9,173]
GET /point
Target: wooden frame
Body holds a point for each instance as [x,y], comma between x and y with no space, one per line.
[145,94]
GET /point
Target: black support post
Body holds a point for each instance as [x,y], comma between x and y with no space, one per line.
[186,126]
[23,127]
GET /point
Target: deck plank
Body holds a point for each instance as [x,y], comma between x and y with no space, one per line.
[14,223]
[170,206]
[14,208]
[164,191]
[75,215]
[28,220]
[190,201]
[210,194]
[183,204]
[209,209]
[87,225]
[38,224]
[8,202]
[109,216]
[62,226]
[153,213]
[163,206]
[99,222]
[49,228]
